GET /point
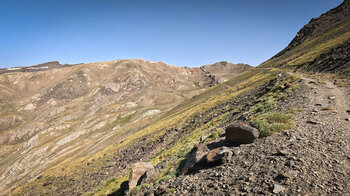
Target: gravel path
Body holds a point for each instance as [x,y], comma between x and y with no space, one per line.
[312,159]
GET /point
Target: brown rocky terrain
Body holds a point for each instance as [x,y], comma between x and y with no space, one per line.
[311,159]
[52,112]
[146,128]
[321,46]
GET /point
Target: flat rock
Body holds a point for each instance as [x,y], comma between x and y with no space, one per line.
[237,134]
[196,155]
[278,188]
[331,97]
[139,173]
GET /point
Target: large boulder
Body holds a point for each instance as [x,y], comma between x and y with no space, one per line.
[141,172]
[240,133]
[196,156]
[218,156]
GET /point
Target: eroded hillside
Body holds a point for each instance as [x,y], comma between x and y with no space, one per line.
[302,119]
[55,113]
[320,46]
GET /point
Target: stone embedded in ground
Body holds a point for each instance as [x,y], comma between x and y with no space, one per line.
[237,134]
[282,153]
[139,173]
[278,188]
[161,190]
[282,176]
[312,122]
[195,156]
[219,156]
[331,98]
[347,119]
[348,111]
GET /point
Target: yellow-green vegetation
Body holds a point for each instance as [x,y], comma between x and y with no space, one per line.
[214,135]
[266,119]
[294,110]
[138,188]
[271,123]
[203,106]
[326,108]
[197,106]
[108,187]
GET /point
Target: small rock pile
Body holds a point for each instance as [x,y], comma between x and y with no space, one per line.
[201,157]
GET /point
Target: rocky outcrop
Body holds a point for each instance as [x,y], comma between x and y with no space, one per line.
[240,133]
[218,156]
[196,156]
[141,173]
[320,25]
[336,60]
[9,122]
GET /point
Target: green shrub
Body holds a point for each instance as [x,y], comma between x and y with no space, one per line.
[223,160]
[171,190]
[273,122]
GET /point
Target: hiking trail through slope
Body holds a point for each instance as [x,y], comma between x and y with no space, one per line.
[313,158]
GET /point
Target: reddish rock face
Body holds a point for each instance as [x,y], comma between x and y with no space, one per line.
[195,156]
[217,155]
[140,173]
[237,134]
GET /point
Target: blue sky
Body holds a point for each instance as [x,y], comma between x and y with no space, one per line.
[178,32]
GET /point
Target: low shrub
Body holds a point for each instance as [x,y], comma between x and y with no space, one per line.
[269,123]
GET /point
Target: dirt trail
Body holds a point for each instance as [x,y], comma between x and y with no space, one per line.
[328,94]
[311,159]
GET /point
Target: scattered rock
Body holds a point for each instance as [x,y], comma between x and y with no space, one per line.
[312,122]
[347,119]
[141,172]
[348,111]
[282,176]
[331,98]
[47,183]
[160,190]
[278,188]
[196,155]
[29,106]
[282,153]
[237,134]
[219,155]
[318,104]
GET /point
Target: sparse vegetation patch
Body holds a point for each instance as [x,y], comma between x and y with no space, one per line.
[273,122]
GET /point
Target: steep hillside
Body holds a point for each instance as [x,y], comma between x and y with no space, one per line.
[320,46]
[52,113]
[165,142]
[300,123]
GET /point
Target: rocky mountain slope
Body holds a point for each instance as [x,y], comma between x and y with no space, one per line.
[320,46]
[311,159]
[50,113]
[294,108]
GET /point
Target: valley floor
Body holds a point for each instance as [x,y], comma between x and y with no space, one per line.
[312,159]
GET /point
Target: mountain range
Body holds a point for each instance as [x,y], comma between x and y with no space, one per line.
[85,129]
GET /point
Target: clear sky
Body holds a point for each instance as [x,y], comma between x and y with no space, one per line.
[178,32]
